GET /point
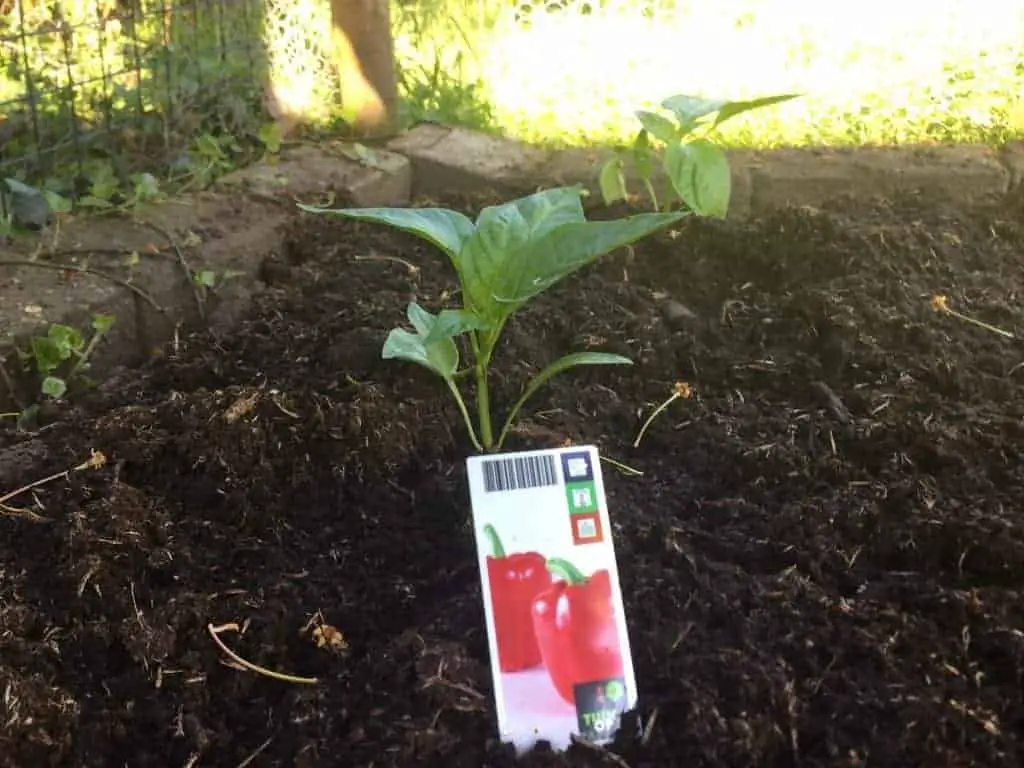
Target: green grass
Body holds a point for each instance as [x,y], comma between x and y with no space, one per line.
[140,86]
[872,72]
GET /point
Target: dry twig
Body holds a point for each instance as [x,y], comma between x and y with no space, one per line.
[232,627]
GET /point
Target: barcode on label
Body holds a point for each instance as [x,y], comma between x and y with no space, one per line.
[519,472]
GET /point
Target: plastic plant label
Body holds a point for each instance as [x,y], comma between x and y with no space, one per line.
[556,625]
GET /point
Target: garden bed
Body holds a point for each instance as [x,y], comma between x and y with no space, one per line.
[822,561]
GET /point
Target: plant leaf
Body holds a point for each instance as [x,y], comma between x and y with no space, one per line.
[689,109]
[102,323]
[205,278]
[574,360]
[733,108]
[612,181]
[46,354]
[441,356]
[643,155]
[448,230]
[526,271]
[270,136]
[699,173]
[54,386]
[146,187]
[571,247]
[454,322]
[91,201]
[58,203]
[20,188]
[66,338]
[659,126]
[562,364]
[493,255]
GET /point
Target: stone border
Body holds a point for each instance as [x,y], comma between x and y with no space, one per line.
[237,225]
[454,159]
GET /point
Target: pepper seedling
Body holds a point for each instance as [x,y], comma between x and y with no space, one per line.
[697,168]
[511,254]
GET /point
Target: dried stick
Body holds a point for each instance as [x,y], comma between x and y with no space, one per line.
[232,627]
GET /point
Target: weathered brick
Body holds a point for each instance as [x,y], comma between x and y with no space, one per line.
[807,177]
[457,160]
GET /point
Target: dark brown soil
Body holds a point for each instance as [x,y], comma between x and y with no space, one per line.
[822,562]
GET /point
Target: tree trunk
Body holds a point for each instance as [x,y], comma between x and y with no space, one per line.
[364,59]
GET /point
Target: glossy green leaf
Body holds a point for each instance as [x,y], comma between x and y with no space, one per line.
[689,109]
[659,126]
[455,322]
[441,356]
[733,108]
[54,386]
[448,230]
[511,261]
[612,181]
[573,246]
[699,173]
[495,255]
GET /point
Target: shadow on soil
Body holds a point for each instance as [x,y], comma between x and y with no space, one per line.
[822,562]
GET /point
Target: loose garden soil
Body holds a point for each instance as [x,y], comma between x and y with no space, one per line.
[822,562]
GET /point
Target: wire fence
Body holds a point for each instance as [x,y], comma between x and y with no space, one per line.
[106,88]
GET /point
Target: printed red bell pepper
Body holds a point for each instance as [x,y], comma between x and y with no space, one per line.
[574,622]
[515,580]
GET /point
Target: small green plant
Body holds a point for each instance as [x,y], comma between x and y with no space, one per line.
[61,344]
[511,254]
[697,169]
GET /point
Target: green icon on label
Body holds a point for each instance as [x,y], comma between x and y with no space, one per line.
[614,691]
[582,497]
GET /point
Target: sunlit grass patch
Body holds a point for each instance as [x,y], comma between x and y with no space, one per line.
[871,72]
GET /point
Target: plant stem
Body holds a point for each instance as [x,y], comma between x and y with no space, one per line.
[84,357]
[481,358]
[652,193]
[512,416]
[465,414]
[483,407]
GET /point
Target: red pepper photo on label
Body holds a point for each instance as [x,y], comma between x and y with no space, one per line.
[515,580]
[574,622]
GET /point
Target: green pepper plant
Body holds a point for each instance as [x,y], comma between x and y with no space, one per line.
[697,168]
[512,253]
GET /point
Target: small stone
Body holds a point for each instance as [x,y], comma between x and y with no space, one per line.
[678,315]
